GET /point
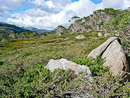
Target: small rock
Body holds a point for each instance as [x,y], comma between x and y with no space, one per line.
[66,38]
[4,40]
[100,34]
[80,37]
[117,34]
[107,34]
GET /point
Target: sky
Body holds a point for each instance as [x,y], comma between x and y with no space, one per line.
[48,14]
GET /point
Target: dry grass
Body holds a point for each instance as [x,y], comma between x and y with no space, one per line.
[27,53]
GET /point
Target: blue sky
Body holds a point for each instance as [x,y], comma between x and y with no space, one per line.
[48,14]
[26,6]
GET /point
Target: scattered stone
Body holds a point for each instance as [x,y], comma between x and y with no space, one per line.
[66,38]
[117,34]
[12,35]
[4,40]
[80,37]
[84,45]
[65,65]
[107,34]
[100,34]
[112,52]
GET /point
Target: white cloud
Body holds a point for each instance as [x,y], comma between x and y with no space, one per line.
[117,4]
[49,14]
[126,4]
[50,4]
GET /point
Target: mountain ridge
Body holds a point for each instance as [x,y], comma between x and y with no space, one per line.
[6,28]
[36,29]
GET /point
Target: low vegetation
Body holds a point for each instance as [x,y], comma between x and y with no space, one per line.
[94,65]
[22,72]
[23,58]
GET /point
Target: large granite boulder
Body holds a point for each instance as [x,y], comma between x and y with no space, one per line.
[99,50]
[65,65]
[112,52]
[115,58]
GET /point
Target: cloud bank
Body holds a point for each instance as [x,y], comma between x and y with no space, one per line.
[51,13]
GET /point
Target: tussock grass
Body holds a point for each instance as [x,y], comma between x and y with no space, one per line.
[22,72]
[39,51]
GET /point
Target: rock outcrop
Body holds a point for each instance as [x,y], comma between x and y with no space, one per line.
[4,39]
[91,23]
[60,30]
[65,65]
[112,52]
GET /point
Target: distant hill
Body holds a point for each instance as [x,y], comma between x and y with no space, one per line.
[6,28]
[36,29]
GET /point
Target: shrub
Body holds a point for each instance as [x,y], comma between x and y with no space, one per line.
[1,62]
[38,82]
[125,44]
[95,65]
[108,86]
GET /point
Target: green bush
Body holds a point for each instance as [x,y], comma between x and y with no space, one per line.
[125,44]
[95,65]
[1,62]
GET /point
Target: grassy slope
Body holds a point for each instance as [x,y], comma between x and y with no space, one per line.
[28,53]
[16,81]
